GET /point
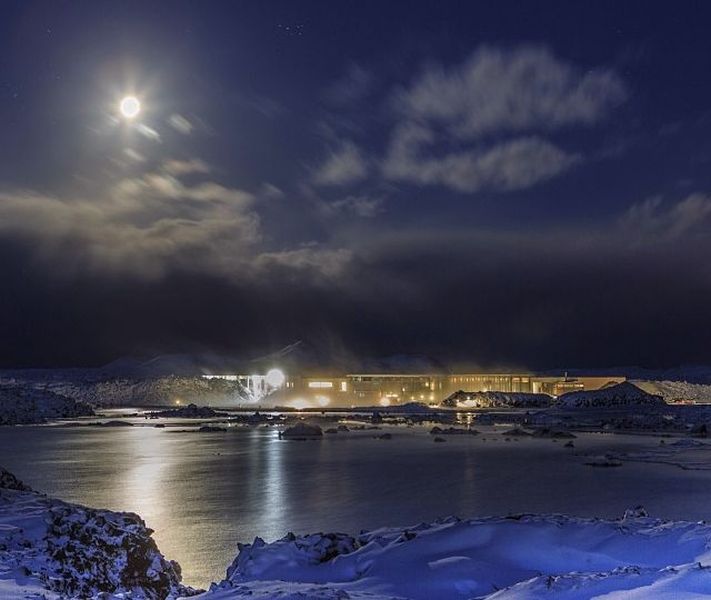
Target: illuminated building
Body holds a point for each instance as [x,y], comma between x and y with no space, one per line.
[387,389]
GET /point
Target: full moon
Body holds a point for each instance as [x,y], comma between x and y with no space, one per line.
[130,107]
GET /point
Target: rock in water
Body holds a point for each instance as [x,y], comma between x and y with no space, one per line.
[9,482]
[302,431]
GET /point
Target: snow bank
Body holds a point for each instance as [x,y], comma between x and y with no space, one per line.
[627,583]
[20,404]
[523,556]
[687,454]
[620,395]
[62,550]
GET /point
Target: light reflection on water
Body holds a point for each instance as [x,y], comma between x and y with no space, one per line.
[204,492]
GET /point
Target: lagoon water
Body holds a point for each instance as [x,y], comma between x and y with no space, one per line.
[204,492]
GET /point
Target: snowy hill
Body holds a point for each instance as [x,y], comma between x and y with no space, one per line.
[620,395]
[154,391]
[21,404]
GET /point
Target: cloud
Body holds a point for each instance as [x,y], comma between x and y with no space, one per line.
[536,297]
[144,225]
[354,86]
[185,167]
[651,220]
[343,166]
[134,155]
[180,124]
[327,262]
[509,165]
[483,125]
[359,205]
[148,132]
[523,89]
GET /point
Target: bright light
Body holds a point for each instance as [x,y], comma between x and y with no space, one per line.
[300,404]
[130,107]
[385,401]
[323,400]
[320,384]
[275,378]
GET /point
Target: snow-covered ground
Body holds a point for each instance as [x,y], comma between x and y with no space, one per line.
[523,556]
[685,453]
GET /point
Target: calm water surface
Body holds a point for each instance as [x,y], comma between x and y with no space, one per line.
[202,493]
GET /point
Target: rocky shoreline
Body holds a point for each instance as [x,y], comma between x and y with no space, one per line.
[54,549]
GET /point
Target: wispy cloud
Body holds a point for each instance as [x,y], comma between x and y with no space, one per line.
[653,219]
[354,86]
[185,167]
[359,205]
[314,259]
[344,165]
[481,125]
[510,165]
[524,89]
[180,124]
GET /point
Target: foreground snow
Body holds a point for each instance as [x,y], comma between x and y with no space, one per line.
[504,558]
[52,549]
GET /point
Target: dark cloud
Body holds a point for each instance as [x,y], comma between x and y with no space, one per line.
[594,297]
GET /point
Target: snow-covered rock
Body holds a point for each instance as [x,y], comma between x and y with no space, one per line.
[523,556]
[615,396]
[191,411]
[677,391]
[302,431]
[409,408]
[8,481]
[97,389]
[554,434]
[21,404]
[462,399]
[436,430]
[62,550]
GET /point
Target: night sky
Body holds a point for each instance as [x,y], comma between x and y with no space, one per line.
[500,183]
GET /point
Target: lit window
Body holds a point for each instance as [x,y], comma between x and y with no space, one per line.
[344,386]
[320,384]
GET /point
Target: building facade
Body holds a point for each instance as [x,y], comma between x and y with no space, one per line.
[387,389]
